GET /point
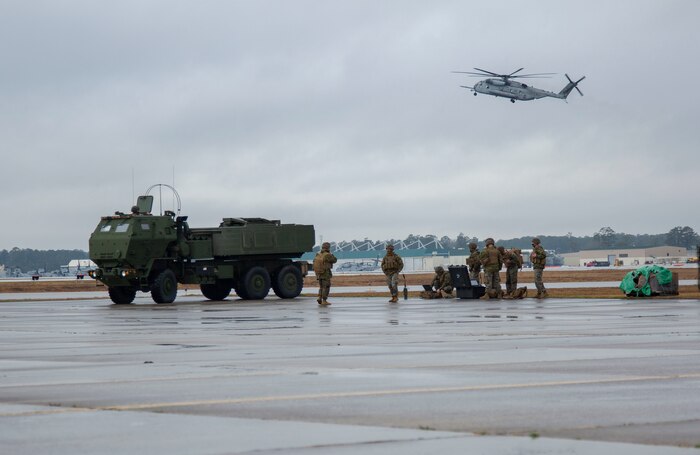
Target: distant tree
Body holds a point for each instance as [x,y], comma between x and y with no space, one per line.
[682,236]
[625,241]
[27,259]
[447,242]
[462,241]
[605,237]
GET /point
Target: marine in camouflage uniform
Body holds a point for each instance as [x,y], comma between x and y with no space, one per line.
[492,261]
[323,263]
[513,261]
[442,283]
[474,262]
[538,258]
[392,264]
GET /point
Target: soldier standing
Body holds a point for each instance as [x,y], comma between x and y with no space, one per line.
[538,258]
[474,262]
[492,261]
[323,263]
[392,266]
[513,261]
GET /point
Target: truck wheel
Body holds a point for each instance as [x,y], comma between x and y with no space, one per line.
[122,295]
[256,283]
[287,282]
[240,291]
[164,287]
[216,291]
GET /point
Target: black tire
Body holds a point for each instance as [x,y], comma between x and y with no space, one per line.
[164,287]
[216,291]
[122,295]
[255,284]
[288,282]
[240,292]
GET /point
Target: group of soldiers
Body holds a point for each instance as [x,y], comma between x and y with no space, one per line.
[490,260]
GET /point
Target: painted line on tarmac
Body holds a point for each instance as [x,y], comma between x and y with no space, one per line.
[368,393]
[374,393]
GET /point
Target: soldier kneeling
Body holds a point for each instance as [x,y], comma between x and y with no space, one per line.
[442,285]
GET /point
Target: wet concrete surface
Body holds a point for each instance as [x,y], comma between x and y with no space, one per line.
[360,376]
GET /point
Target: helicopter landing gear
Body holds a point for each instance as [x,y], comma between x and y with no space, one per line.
[512,100]
[474,93]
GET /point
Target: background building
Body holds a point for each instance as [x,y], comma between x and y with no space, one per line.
[664,255]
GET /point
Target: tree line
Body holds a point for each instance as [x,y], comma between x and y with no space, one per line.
[27,260]
[604,238]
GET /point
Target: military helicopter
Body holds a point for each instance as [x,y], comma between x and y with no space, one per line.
[502,85]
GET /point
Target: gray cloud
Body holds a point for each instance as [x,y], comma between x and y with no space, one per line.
[346,115]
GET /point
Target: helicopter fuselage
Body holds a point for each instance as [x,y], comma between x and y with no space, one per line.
[511,89]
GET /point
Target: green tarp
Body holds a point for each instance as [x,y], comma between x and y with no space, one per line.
[636,283]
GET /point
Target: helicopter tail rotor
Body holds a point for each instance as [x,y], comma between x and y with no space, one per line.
[569,87]
[575,84]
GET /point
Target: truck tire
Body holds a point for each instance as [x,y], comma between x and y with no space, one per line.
[240,292]
[164,287]
[216,291]
[122,295]
[287,282]
[256,284]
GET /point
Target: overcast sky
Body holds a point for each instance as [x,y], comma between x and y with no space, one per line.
[346,115]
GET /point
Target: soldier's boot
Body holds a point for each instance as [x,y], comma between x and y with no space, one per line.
[394,299]
[325,303]
[539,295]
[319,300]
[545,294]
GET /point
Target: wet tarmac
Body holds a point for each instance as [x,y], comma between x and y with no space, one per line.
[362,376]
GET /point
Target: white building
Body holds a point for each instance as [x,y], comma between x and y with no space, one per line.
[664,255]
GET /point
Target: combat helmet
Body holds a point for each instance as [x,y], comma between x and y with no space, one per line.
[490,241]
[472,246]
[536,240]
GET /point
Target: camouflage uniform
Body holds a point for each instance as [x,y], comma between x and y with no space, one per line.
[538,258]
[474,263]
[323,263]
[492,261]
[391,266]
[513,261]
[442,283]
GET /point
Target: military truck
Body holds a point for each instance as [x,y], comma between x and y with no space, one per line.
[140,251]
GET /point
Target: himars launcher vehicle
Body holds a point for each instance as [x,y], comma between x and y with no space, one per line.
[139,251]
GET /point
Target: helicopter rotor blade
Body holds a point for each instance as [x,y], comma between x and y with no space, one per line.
[535,75]
[489,72]
[472,74]
[511,74]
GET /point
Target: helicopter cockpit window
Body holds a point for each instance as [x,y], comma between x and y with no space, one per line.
[123,227]
[106,228]
[145,226]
